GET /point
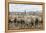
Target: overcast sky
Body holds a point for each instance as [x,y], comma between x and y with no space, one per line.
[23,7]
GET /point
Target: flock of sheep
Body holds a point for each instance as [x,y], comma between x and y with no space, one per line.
[25,22]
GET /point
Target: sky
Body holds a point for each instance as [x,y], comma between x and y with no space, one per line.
[24,7]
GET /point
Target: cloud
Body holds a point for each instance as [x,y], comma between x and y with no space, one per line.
[23,7]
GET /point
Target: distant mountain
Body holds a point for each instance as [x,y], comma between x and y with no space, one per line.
[22,13]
